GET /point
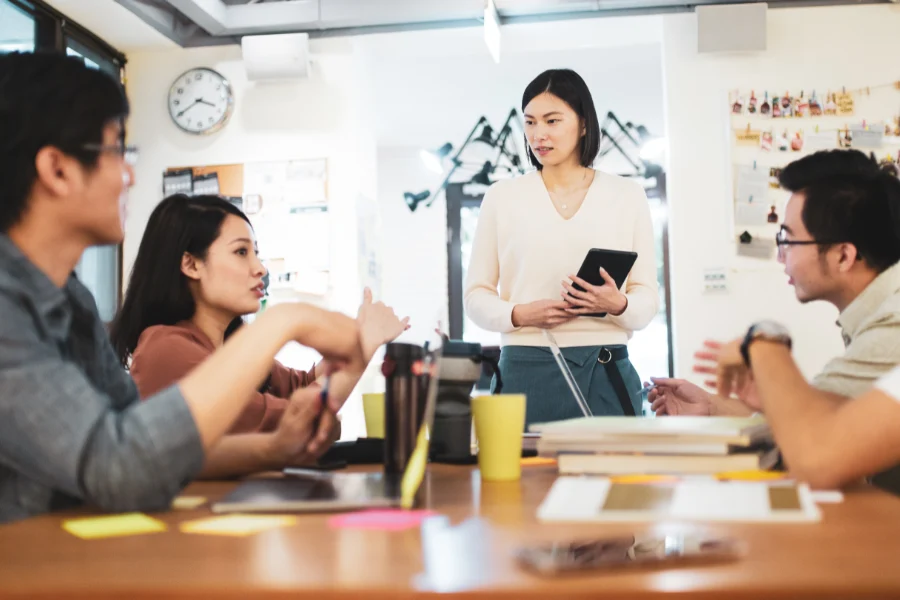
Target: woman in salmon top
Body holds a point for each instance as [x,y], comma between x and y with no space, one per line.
[196,275]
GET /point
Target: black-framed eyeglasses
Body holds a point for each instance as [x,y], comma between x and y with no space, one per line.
[129,153]
[781,241]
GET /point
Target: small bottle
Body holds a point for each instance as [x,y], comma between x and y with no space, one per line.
[406,387]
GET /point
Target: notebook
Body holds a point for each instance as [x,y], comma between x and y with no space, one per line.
[739,431]
[624,446]
[597,499]
[615,464]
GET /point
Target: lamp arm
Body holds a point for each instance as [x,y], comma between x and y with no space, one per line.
[613,141]
[611,116]
[456,162]
[505,133]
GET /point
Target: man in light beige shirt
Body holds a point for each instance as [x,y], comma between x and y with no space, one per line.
[870,326]
[835,212]
[840,242]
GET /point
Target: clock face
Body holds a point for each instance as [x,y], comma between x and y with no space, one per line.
[200,101]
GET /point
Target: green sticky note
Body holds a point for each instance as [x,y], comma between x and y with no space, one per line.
[113,526]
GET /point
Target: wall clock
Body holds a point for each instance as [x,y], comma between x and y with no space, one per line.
[200,101]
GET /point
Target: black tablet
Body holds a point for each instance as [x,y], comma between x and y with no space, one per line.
[616,262]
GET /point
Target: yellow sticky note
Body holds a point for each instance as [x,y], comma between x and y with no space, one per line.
[640,478]
[237,525]
[188,502]
[753,475]
[113,526]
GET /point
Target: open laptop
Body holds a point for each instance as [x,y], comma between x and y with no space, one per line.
[567,374]
[307,490]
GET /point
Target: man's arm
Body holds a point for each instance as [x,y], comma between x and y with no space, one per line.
[107,448]
[58,429]
[720,406]
[825,439]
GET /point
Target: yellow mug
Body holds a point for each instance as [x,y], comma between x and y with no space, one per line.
[499,422]
[373,410]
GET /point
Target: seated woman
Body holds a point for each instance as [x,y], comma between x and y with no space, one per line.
[196,275]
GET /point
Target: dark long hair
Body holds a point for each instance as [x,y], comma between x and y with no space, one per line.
[158,292]
[568,86]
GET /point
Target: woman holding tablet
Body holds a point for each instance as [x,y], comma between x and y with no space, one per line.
[533,234]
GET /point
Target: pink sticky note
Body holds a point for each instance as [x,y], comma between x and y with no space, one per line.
[381,520]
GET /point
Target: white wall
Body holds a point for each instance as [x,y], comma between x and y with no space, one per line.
[431,87]
[414,244]
[812,48]
[323,116]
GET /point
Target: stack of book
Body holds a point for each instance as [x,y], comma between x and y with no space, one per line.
[667,445]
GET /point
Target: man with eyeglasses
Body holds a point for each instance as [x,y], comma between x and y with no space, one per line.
[840,242]
[72,428]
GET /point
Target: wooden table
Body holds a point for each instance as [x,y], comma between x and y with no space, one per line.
[854,552]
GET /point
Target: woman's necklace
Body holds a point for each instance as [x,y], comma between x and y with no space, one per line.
[555,196]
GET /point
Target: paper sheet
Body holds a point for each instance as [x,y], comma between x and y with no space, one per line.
[750,214]
[821,140]
[752,184]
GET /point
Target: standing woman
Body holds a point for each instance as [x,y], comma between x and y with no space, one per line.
[532,236]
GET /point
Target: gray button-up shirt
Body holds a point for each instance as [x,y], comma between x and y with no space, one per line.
[72,426]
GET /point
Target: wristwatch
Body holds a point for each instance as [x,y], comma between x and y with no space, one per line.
[764,330]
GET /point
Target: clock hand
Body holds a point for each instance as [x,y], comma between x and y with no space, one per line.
[198,100]
[202,101]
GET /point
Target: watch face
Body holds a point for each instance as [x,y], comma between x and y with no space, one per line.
[771,329]
[200,101]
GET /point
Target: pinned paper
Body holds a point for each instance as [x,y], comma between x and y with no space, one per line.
[113,526]
[844,101]
[867,136]
[381,520]
[752,184]
[822,140]
[237,525]
[751,247]
[748,137]
[188,502]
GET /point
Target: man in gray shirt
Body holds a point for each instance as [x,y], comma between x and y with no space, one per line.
[72,428]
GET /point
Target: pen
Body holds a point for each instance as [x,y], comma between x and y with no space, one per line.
[323,395]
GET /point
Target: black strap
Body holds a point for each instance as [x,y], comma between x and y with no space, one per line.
[615,378]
